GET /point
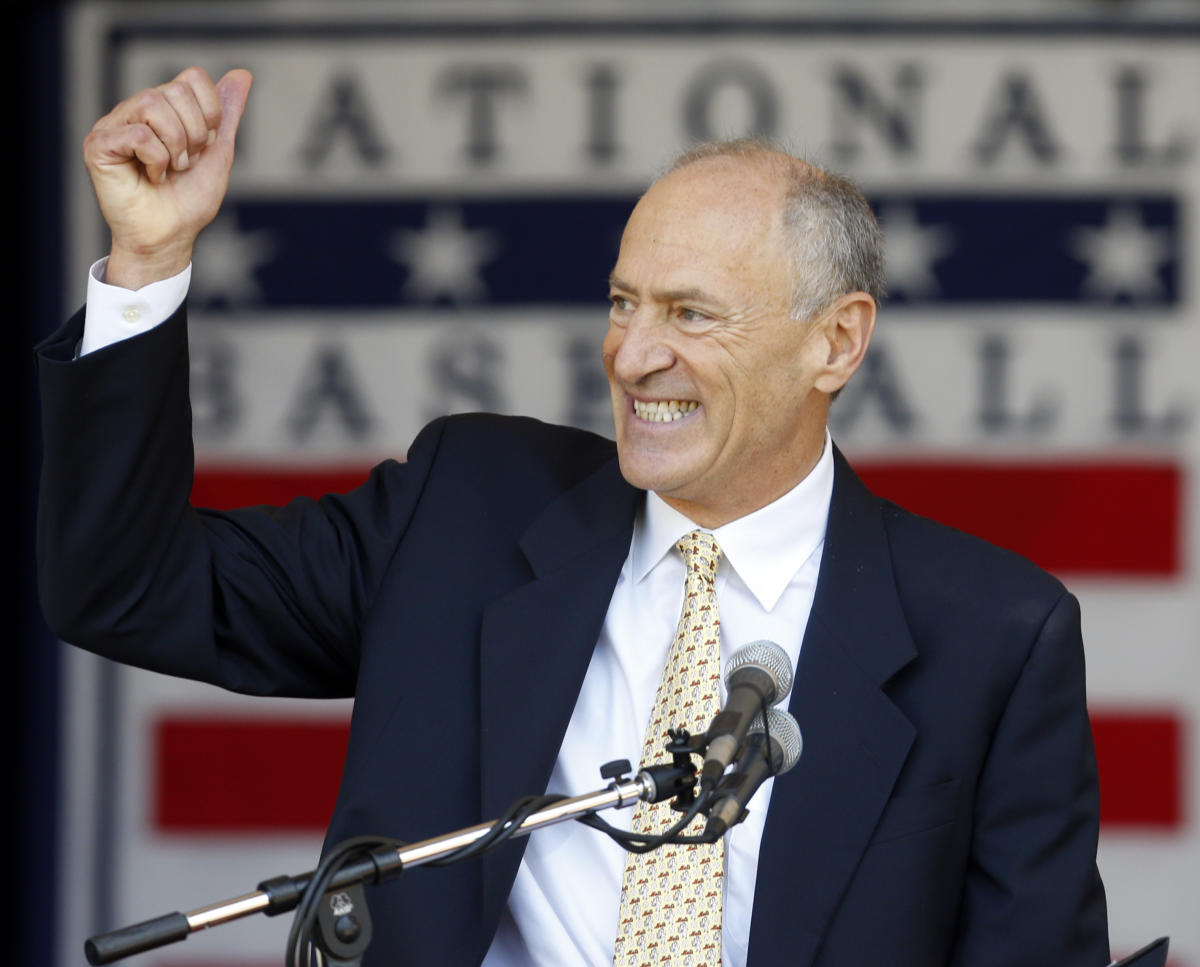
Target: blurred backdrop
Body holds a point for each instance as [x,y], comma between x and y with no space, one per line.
[425,206]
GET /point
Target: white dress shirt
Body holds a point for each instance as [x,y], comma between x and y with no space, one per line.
[562,910]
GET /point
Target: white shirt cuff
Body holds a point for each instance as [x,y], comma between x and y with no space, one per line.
[113,313]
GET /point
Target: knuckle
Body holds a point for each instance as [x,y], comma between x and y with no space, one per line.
[145,141]
[172,90]
[146,100]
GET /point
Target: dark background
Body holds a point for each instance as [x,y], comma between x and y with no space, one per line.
[33,143]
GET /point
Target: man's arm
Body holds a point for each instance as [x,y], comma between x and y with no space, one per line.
[261,600]
[1033,894]
[266,600]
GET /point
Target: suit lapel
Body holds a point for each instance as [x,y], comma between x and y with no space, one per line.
[536,643]
[822,813]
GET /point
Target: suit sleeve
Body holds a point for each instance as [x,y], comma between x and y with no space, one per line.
[263,600]
[1033,894]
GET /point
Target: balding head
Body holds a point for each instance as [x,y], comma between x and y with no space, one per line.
[832,239]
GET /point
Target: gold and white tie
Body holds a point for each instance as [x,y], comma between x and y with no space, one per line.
[671,897]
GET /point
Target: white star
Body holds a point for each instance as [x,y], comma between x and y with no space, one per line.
[444,258]
[1123,257]
[225,260]
[911,249]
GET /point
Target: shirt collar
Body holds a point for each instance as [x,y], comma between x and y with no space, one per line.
[766,548]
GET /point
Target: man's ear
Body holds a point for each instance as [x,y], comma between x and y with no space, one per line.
[847,327]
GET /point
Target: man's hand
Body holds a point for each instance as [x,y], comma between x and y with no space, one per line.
[159,162]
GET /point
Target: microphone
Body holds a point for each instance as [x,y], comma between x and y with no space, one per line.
[771,750]
[757,676]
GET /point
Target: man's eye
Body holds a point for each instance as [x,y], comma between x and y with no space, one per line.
[692,315]
[620,303]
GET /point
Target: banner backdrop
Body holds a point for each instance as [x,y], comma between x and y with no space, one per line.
[421,220]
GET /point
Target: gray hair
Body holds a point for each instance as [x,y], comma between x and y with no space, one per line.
[834,240]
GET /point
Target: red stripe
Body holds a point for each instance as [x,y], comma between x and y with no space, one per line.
[253,775]
[1083,518]
[1093,518]
[226,775]
[223,488]
[1140,755]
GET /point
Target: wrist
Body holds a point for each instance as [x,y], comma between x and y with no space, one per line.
[136,270]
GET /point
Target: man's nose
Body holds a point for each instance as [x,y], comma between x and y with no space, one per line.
[644,349]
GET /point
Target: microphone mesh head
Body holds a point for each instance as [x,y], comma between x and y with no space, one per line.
[767,656]
[784,731]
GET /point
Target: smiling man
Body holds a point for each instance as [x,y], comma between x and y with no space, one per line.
[538,602]
[724,312]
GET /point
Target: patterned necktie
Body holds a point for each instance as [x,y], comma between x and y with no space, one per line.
[671,897]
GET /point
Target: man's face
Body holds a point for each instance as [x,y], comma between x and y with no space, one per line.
[699,326]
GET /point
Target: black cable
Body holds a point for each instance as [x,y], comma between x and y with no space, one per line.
[356,847]
[502,829]
[645,842]
[360,847]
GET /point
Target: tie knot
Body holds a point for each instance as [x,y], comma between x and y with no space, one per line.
[701,554]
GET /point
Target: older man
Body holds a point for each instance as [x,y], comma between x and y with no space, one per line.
[512,596]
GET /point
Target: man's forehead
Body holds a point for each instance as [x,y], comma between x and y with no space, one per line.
[700,224]
[737,202]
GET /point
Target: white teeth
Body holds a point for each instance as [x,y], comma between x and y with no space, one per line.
[663,411]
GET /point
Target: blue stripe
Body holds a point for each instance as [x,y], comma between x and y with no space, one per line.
[1003,250]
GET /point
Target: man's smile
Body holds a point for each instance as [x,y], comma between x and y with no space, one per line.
[663,411]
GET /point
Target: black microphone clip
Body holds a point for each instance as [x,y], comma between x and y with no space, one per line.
[682,747]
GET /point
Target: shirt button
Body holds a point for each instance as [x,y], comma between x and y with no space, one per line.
[131,314]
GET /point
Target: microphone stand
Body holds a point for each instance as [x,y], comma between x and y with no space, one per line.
[343,925]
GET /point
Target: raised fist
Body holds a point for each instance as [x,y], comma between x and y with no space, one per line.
[159,163]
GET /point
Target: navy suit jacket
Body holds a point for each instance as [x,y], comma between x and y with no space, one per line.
[944,810]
